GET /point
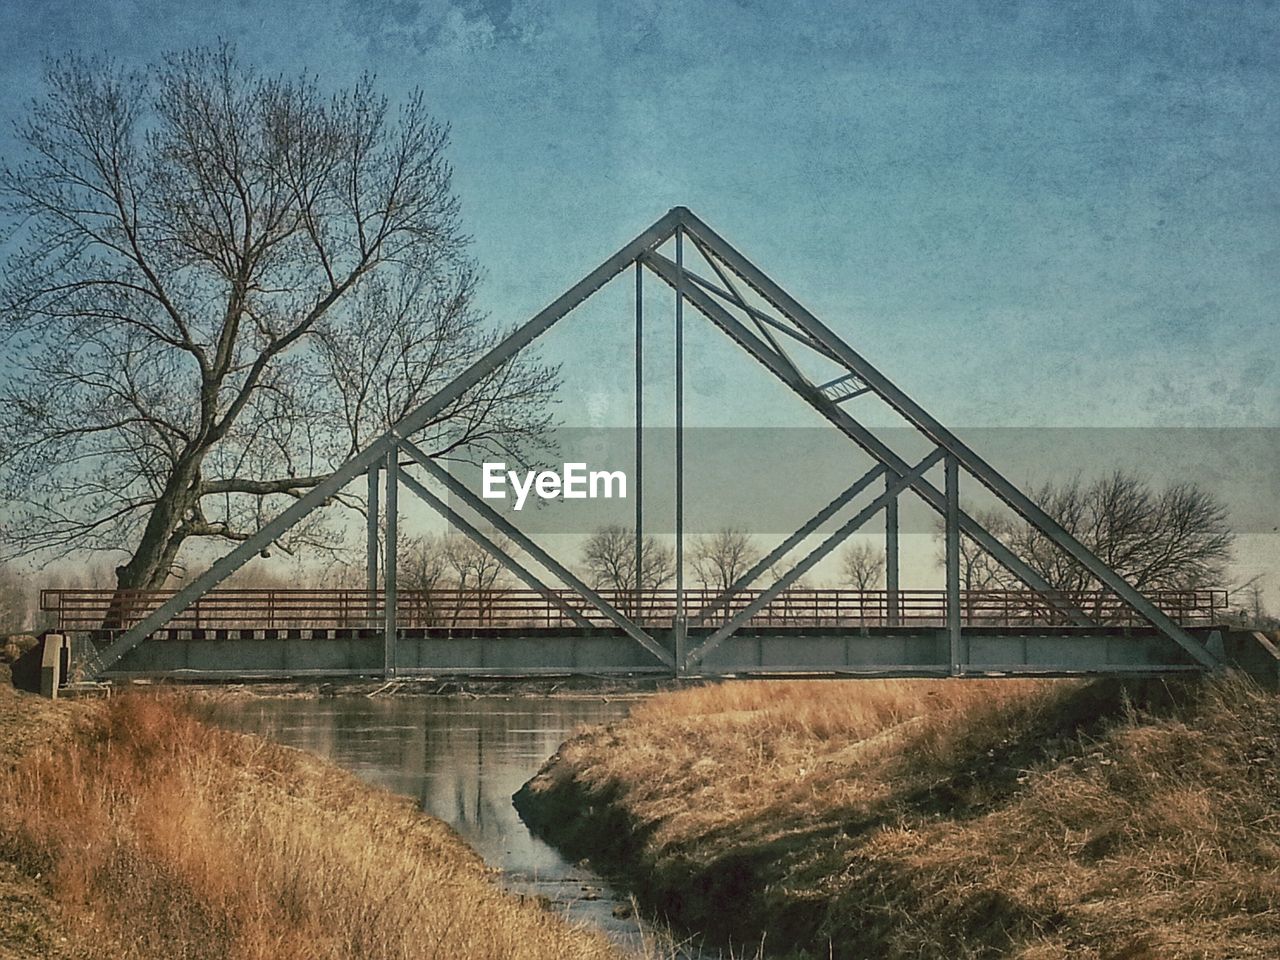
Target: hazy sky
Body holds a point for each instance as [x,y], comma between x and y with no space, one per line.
[1033,214]
[1025,213]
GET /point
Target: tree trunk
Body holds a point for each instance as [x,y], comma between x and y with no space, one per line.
[152,561]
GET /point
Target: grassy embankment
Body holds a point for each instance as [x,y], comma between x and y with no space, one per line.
[130,830]
[1030,819]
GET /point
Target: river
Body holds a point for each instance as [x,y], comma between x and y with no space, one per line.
[462,759]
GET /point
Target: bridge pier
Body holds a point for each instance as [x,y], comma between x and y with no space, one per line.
[43,668]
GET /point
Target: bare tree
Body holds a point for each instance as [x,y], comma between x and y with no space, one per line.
[862,565]
[1248,605]
[720,558]
[473,572]
[470,566]
[777,570]
[422,563]
[609,558]
[1175,539]
[1255,608]
[979,570]
[14,601]
[223,285]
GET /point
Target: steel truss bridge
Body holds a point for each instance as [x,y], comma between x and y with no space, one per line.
[559,624]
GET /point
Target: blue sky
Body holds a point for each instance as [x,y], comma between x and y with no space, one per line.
[1026,214]
[1053,213]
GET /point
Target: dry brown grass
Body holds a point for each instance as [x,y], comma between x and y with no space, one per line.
[161,837]
[694,761]
[953,819]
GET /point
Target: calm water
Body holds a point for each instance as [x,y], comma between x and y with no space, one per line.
[462,759]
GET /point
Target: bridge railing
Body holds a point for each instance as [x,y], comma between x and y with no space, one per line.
[296,609]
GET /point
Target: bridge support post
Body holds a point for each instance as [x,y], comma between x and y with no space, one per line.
[372,520]
[639,464]
[891,557]
[952,491]
[389,567]
[679,624]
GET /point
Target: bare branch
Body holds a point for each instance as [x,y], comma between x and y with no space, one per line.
[224,284]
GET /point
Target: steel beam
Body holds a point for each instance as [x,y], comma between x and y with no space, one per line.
[478,536]
[952,537]
[816,555]
[791,651]
[757,315]
[504,526]
[681,624]
[372,521]
[935,431]
[741,303]
[850,395]
[391,565]
[805,328]
[638,486]
[498,355]
[891,565]
[791,542]
[730,294]
[236,558]
[837,381]
[775,672]
[860,435]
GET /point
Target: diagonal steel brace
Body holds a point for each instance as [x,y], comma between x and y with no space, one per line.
[863,437]
[414,421]
[495,551]
[790,543]
[1023,505]
[804,566]
[476,503]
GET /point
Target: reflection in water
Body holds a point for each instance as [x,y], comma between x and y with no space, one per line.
[462,759]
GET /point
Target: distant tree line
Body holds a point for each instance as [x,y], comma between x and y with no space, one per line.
[1175,538]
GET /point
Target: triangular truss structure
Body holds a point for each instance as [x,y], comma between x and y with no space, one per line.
[788,341]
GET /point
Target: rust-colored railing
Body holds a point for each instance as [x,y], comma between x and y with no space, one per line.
[229,609]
